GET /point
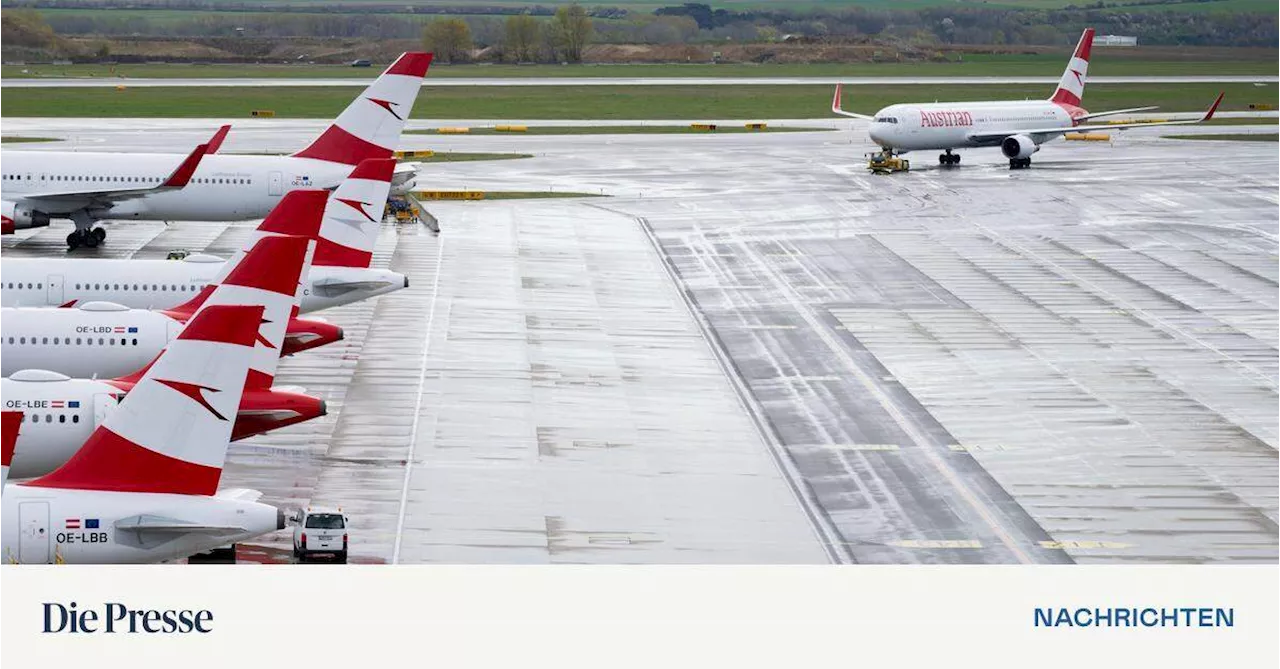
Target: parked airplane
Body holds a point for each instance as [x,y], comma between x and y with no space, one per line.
[88,187]
[340,272]
[103,339]
[1018,127]
[144,487]
[62,412]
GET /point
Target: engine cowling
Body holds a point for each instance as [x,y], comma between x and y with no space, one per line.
[1018,146]
[21,216]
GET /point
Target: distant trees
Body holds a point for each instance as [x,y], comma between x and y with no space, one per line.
[25,27]
[543,33]
[570,31]
[520,43]
[449,39]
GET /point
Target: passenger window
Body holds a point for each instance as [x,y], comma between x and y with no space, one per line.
[135,342]
[22,340]
[44,340]
[77,341]
[62,418]
[35,418]
[75,418]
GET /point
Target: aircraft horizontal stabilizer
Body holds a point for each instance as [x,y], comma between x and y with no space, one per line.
[154,524]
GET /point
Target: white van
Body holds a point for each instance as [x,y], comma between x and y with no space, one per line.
[320,531]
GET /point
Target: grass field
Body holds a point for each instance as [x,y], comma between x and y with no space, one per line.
[620,130]
[974,65]
[650,5]
[1241,137]
[592,102]
[14,139]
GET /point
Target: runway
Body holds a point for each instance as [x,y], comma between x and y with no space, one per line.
[106,82]
[754,351]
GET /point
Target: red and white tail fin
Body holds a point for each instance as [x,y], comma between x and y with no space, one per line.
[1071,87]
[269,276]
[170,433]
[370,127]
[10,423]
[353,215]
[298,213]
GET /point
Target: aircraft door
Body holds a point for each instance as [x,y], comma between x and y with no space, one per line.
[103,405]
[33,543]
[275,183]
[54,290]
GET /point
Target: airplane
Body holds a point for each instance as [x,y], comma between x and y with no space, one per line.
[63,412]
[144,487]
[1018,127]
[340,272]
[10,425]
[103,339]
[88,187]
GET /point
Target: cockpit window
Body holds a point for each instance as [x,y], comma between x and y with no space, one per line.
[885,119]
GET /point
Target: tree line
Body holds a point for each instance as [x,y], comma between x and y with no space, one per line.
[539,33]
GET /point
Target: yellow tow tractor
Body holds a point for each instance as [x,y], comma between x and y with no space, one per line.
[884,162]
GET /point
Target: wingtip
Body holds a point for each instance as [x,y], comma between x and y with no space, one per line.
[1209,114]
[215,142]
[835,100]
[187,168]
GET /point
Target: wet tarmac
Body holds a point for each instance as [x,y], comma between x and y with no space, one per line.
[756,352]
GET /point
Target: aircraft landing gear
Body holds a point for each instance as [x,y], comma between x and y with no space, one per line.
[948,158]
[1019,163]
[86,237]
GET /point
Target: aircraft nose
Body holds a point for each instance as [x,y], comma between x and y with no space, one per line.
[876,135]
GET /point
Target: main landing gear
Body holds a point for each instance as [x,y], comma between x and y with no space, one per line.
[90,238]
[1019,163]
[948,158]
[85,234]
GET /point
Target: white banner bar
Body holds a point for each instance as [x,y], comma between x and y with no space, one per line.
[456,616]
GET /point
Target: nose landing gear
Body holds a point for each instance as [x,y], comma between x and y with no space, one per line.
[948,158]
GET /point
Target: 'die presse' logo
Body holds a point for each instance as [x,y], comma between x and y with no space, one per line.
[116,618]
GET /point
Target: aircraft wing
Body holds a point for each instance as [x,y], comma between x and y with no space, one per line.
[215,142]
[104,193]
[1045,133]
[1113,112]
[835,107]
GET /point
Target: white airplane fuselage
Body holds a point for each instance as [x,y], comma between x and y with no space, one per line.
[47,525]
[164,284]
[83,343]
[59,414]
[948,125]
[225,187]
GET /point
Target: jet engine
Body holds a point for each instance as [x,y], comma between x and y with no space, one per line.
[21,216]
[1018,147]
